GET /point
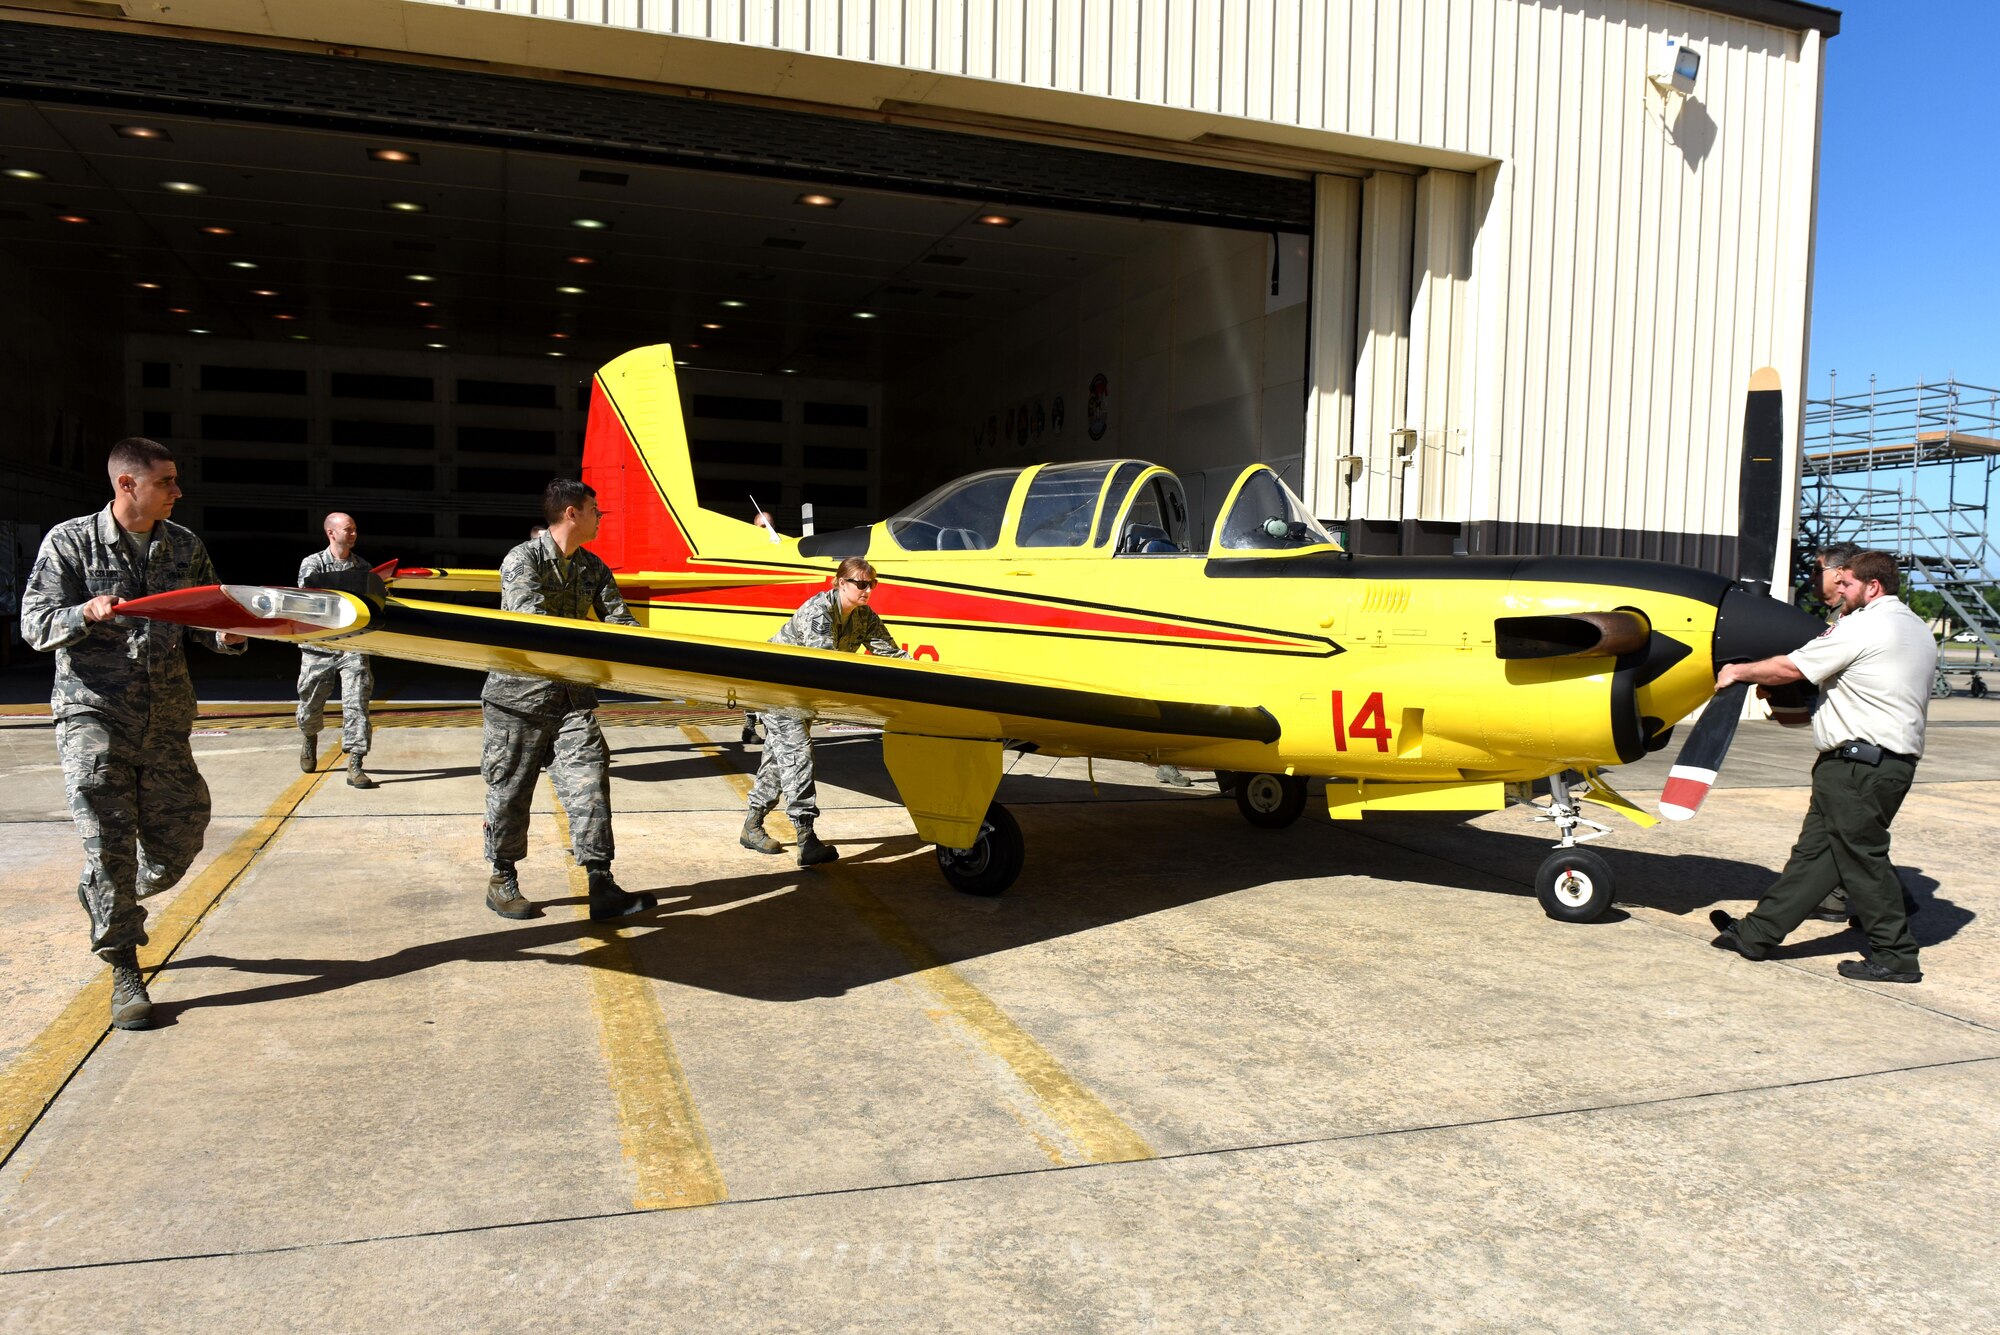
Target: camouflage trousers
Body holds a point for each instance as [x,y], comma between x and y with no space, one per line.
[317,670]
[516,748]
[786,769]
[141,808]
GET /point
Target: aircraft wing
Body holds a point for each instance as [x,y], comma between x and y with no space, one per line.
[898,695]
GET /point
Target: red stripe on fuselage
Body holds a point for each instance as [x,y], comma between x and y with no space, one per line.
[914,602]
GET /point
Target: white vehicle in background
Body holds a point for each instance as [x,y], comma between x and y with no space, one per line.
[1966,637]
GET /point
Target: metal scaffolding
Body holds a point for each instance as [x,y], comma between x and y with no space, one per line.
[1910,470]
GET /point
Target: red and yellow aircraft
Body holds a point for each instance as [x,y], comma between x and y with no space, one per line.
[1064,608]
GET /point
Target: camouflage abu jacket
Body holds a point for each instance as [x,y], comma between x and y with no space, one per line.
[532,580]
[818,625]
[324,562]
[133,672]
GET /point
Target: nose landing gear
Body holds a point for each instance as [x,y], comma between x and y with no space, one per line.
[1573,884]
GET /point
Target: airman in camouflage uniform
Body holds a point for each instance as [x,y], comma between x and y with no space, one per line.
[841,620]
[123,704]
[532,724]
[318,668]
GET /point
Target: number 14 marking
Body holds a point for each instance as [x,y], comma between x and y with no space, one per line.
[1371,720]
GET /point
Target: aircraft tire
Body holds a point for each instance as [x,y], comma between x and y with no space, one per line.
[991,865]
[1270,801]
[1574,885]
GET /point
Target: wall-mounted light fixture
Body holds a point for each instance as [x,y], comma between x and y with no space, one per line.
[1675,66]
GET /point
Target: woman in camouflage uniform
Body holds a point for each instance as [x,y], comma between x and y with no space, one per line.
[839,619]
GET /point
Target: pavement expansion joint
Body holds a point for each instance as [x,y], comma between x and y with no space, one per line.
[998,1175]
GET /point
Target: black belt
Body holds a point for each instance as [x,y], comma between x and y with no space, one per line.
[1866,752]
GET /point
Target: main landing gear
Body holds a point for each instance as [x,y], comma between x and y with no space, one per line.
[1574,884]
[994,860]
[1269,801]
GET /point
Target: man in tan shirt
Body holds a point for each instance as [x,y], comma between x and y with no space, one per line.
[1875,666]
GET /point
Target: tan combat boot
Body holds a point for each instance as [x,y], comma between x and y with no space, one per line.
[131,1007]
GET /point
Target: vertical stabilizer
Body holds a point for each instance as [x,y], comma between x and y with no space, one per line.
[635,453]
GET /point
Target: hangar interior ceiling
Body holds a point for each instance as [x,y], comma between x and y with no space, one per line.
[171,225]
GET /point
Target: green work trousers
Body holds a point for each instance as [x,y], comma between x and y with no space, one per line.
[1844,843]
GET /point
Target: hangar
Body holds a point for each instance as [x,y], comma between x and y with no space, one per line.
[1486,276]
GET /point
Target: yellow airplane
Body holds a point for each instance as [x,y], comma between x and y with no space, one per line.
[1064,608]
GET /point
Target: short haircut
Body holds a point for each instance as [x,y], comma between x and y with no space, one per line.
[852,567]
[1877,566]
[1835,555]
[560,494]
[136,454]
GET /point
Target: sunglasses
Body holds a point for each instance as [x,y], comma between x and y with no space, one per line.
[862,584]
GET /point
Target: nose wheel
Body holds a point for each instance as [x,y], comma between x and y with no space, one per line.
[994,860]
[1574,885]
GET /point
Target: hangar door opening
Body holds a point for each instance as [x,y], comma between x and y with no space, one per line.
[389,298]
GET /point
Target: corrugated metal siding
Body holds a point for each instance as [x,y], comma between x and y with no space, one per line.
[1648,264]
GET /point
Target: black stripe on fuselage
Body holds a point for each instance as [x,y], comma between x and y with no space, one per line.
[1701,586]
[840,674]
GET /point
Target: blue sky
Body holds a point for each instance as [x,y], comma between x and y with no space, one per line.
[1906,279]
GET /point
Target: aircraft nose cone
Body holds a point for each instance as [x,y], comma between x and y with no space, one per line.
[1750,625]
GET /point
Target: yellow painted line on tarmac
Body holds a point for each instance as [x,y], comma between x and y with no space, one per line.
[1093,1132]
[35,1077]
[658,1123]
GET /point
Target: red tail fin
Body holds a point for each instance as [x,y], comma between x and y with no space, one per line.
[640,530]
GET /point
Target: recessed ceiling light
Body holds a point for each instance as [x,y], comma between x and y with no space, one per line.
[732,305]
[303,338]
[179,310]
[581,259]
[242,264]
[711,326]
[142,132]
[72,218]
[788,370]
[433,326]
[263,292]
[558,334]
[558,354]
[679,362]
[864,315]
[691,345]
[570,291]
[402,206]
[819,201]
[25,174]
[282,316]
[435,345]
[421,277]
[423,305]
[197,331]
[150,287]
[590,224]
[184,187]
[394,155]
[995,220]
[218,231]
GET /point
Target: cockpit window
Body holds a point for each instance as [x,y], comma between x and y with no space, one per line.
[1061,502]
[1121,482]
[1157,522]
[961,516]
[1267,517]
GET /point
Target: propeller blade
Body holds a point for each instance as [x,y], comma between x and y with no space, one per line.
[1760,483]
[1695,768]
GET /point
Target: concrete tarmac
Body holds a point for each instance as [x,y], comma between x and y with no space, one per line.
[1186,1075]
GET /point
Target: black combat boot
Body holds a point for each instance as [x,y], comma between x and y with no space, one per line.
[308,751]
[356,776]
[754,838]
[503,894]
[131,1008]
[811,851]
[608,899]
